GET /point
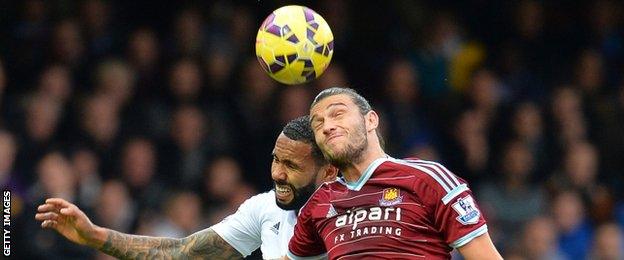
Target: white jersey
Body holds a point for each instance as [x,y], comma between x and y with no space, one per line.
[259,222]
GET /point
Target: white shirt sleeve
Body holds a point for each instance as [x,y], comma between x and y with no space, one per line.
[243,229]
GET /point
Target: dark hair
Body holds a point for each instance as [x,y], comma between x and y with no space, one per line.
[359,101]
[299,129]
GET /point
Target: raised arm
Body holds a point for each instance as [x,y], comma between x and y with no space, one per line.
[205,244]
[71,222]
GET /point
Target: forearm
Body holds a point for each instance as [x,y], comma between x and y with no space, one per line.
[205,244]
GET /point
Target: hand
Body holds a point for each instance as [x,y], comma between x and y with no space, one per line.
[67,219]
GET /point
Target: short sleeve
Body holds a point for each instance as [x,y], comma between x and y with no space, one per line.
[306,242]
[242,230]
[455,214]
[460,219]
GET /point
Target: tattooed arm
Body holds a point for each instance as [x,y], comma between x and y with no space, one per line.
[204,244]
[71,222]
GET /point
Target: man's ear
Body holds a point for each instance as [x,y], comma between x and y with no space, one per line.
[372,120]
[329,173]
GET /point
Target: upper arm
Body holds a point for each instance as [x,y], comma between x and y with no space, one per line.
[209,245]
[242,230]
[480,247]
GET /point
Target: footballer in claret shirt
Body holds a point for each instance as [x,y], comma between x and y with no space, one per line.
[382,207]
[398,209]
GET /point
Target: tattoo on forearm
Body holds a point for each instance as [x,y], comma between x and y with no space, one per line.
[205,244]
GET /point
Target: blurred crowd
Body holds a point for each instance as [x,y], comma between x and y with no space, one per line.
[156,118]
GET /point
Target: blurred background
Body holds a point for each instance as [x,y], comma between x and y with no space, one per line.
[156,118]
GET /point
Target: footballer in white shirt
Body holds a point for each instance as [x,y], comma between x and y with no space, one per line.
[265,221]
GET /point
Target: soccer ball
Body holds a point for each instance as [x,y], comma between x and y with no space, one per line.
[294,45]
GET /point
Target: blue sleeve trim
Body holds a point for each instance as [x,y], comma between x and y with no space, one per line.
[469,237]
[454,193]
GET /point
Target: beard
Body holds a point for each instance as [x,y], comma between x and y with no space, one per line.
[300,196]
[351,152]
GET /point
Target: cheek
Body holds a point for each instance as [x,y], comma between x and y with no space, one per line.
[299,181]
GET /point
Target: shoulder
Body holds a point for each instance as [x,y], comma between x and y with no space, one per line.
[430,175]
[263,203]
[319,197]
[261,199]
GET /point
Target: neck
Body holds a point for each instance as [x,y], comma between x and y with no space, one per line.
[353,171]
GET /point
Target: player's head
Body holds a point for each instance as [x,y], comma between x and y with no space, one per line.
[344,125]
[298,165]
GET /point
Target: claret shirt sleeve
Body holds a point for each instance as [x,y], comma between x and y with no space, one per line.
[455,211]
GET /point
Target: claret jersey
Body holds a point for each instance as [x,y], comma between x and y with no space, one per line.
[399,209]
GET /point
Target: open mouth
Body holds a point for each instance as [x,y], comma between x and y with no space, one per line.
[283,193]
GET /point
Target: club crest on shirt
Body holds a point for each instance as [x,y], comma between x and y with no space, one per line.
[390,197]
[468,212]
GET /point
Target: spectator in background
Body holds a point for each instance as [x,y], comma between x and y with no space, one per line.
[67,44]
[589,75]
[99,129]
[86,166]
[402,107]
[242,29]
[114,78]
[184,157]
[185,82]
[138,169]
[41,123]
[470,150]
[486,95]
[188,35]
[143,55]
[100,37]
[55,178]
[580,173]
[221,177]
[182,214]
[539,241]
[568,119]
[527,127]
[219,67]
[116,209]
[56,82]
[512,200]
[43,114]
[574,228]
[608,243]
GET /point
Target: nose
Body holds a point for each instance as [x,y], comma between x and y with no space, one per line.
[329,127]
[278,173]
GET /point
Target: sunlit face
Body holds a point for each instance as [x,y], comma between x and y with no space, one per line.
[294,172]
[339,129]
